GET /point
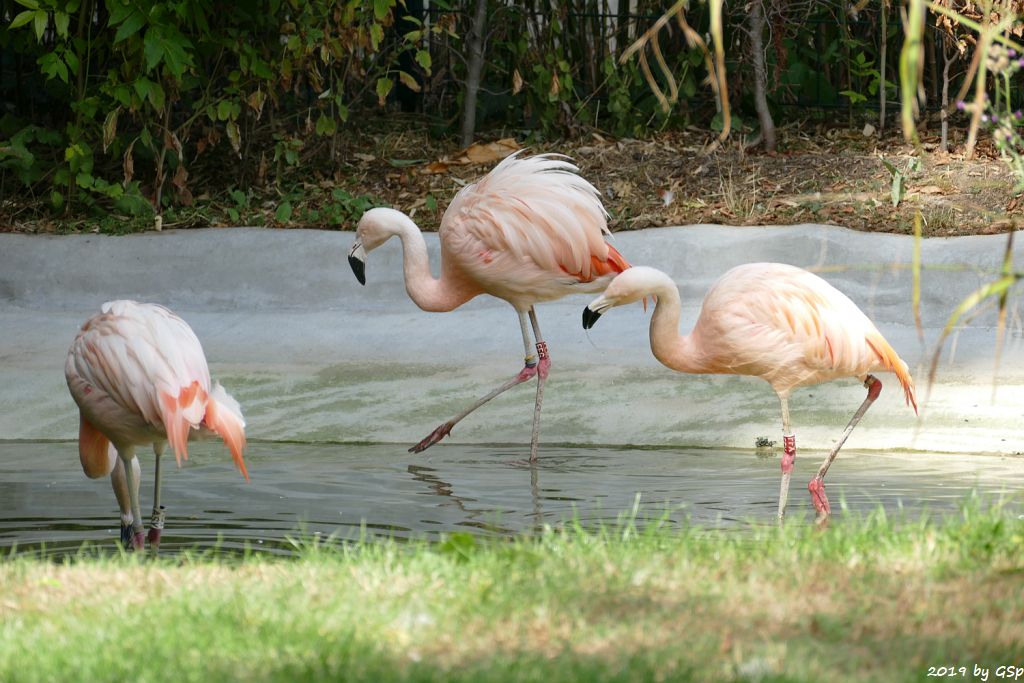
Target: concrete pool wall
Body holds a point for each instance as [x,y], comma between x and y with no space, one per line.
[313,356]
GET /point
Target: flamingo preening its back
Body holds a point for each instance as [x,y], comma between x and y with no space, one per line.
[139,376]
[769,320]
[531,230]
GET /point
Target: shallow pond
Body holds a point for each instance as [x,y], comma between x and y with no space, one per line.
[336,489]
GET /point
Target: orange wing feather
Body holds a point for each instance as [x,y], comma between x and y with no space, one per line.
[894,363]
[93,450]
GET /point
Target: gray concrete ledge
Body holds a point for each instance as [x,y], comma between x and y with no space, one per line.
[311,355]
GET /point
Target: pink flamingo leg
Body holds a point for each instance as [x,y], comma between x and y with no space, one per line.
[120,482]
[788,457]
[138,536]
[525,374]
[817,485]
[156,521]
[531,368]
[543,367]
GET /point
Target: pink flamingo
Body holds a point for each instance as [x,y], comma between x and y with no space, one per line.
[769,320]
[139,376]
[531,230]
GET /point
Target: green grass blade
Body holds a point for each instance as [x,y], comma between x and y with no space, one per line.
[916,269]
[997,289]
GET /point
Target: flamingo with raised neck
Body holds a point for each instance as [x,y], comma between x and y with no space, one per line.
[531,230]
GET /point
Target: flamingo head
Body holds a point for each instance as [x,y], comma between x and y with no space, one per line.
[375,228]
[631,285]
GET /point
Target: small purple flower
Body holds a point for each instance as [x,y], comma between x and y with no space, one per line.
[1011,52]
[1018,114]
[995,118]
[1020,62]
[960,105]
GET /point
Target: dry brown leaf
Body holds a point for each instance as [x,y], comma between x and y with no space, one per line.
[256,101]
[484,153]
[931,189]
[180,178]
[128,164]
[435,167]
[477,153]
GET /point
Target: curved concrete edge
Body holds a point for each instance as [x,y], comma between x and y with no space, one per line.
[311,355]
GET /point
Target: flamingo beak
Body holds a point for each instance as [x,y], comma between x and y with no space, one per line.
[590,317]
[357,259]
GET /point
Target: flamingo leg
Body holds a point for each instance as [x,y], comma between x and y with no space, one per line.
[156,521]
[542,375]
[529,370]
[119,482]
[817,485]
[137,537]
[788,457]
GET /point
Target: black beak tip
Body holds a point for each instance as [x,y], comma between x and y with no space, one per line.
[358,269]
[589,317]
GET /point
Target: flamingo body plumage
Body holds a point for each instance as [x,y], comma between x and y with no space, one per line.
[531,230]
[769,320]
[139,376]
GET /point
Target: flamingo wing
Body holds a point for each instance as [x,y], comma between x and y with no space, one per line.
[531,214]
[793,328]
[145,361]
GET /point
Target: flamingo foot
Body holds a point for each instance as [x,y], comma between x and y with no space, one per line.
[818,497]
[138,540]
[126,535]
[434,436]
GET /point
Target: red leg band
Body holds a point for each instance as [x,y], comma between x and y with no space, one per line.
[789,453]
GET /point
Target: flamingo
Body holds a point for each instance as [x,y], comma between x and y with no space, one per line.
[769,320]
[139,376]
[531,230]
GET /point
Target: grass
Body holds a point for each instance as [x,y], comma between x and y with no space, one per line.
[869,599]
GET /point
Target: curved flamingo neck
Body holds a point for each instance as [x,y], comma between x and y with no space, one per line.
[429,293]
[672,349]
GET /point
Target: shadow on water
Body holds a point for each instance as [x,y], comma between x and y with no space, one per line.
[348,492]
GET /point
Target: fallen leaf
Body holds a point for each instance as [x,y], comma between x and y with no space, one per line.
[435,167]
[364,157]
[482,153]
[477,153]
[930,189]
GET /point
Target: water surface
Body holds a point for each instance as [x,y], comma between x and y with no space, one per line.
[381,490]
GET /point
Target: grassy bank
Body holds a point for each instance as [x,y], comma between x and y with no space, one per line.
[866,600]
